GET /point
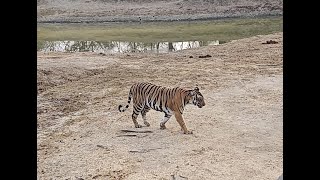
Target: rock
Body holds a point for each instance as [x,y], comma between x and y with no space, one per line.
[270,42]
[206,56]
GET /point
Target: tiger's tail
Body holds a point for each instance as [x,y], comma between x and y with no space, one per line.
[121,108]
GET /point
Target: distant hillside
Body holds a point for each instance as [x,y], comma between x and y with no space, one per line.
[152,10]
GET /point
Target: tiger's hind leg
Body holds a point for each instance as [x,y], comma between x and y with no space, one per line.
[135,122]
[164,120]
[144,117]
[136,111]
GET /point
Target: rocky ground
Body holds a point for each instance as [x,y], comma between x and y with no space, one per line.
[237,135]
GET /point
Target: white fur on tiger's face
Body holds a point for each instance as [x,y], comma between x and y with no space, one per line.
[197,98]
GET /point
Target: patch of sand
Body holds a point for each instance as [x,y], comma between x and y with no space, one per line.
[237,135]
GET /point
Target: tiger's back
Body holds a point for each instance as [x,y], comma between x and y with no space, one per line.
[152,96]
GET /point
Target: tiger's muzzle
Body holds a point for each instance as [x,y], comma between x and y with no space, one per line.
[200,105]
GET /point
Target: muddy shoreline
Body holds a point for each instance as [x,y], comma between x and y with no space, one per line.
[160,19]
[87,11]
[185,19]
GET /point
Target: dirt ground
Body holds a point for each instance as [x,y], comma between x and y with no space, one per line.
[237,135]
[51,11]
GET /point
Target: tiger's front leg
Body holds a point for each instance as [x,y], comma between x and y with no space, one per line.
[179,118]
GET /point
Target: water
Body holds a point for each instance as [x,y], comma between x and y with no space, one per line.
[156,37]
[121,47]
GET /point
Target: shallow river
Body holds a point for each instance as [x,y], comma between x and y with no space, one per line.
[158,37]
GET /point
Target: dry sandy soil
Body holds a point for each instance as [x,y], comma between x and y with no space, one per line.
[152,10]
[237,135]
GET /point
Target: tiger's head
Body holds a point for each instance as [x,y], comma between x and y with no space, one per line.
[196,97]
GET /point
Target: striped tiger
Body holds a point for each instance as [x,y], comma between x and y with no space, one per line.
[167,100]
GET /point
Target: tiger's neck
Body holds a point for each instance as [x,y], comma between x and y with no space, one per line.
[180,100]
[185,100]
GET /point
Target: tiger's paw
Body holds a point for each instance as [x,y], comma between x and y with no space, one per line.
[138,126]
[146,123]
[162,126]
[187,132]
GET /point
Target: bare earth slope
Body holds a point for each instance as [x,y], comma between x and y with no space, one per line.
[152,10]
[237,135]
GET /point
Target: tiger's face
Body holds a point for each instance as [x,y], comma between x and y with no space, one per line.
[197,98]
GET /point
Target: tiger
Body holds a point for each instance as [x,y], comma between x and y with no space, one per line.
[171,101]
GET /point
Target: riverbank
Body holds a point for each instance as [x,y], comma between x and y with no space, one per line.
[98,11]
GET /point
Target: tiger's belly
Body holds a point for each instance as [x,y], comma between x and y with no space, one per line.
[158,107]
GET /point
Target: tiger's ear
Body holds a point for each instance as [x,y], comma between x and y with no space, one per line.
[191,93]
[196,88]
